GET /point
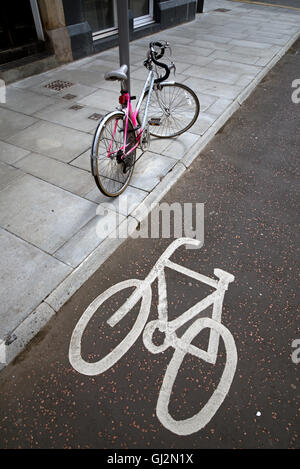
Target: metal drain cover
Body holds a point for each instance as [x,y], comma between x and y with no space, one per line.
[58,85]
[69,96]
[95,117]
[76,107]
[222,10]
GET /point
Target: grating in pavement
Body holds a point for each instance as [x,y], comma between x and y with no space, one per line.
[95,117]
[76,107]
[58,85]
[69,96]
[222,10]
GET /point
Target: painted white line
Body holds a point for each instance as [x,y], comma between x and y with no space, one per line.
[109,360]
[182,345]
[201,419]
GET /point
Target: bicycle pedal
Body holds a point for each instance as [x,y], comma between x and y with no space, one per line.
[128,163]
[154,121]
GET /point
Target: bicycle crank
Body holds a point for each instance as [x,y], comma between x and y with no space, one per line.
[145,139]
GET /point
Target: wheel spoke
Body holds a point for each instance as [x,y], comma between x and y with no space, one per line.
[176,106]
[110,177]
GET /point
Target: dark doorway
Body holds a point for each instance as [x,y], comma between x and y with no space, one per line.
[17,26]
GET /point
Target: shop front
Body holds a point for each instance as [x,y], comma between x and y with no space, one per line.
[102,15]
[21,31]
[66,30]
[93,24]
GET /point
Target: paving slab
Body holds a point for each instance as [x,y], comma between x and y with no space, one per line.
[83,161]
[8,174]
[25,101]
[11,122]
[101,99]
[42,214]
[241,68]
[84,77]
[22,265]
[255,51]
[204,122]
[52,140]
[124,204]
[150,170]
[219,106]
[179,145]
[32,81]
[207,72]
[213,45]
[10,153]
[60,174]
[212,87]
[76,249]
[71,115]
[235,57]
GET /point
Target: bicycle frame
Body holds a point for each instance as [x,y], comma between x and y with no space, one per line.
[132,115]
[169,327]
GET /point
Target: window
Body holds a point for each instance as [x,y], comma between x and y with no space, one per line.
[142,11]
[101,16]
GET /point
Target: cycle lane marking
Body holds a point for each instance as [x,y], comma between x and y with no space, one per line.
[181,345]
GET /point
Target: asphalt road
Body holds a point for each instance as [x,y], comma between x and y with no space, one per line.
[247,179]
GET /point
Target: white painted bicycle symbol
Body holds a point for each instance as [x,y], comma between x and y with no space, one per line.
[182,345]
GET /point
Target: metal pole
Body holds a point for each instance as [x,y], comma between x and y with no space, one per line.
[123,24]
[37,20]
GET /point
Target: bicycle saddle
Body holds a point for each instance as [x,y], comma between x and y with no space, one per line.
[120,74]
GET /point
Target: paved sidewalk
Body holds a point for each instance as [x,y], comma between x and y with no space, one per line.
[50,207]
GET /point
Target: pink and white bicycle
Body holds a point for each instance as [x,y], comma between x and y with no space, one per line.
[165,109]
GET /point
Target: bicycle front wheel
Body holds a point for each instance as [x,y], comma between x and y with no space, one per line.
[199,420]
[173,109]
[111,169]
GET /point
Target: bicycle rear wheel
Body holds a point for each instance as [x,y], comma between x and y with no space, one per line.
[109,359]
[111,170]
[173,109]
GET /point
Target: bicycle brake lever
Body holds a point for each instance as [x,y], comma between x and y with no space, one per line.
[172,67]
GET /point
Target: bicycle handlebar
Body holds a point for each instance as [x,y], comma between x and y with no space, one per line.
[158,55]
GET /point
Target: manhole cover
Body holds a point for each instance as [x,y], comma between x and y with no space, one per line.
[58,85]
[69,96]
[95,117]
[76,107]
[222,10]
